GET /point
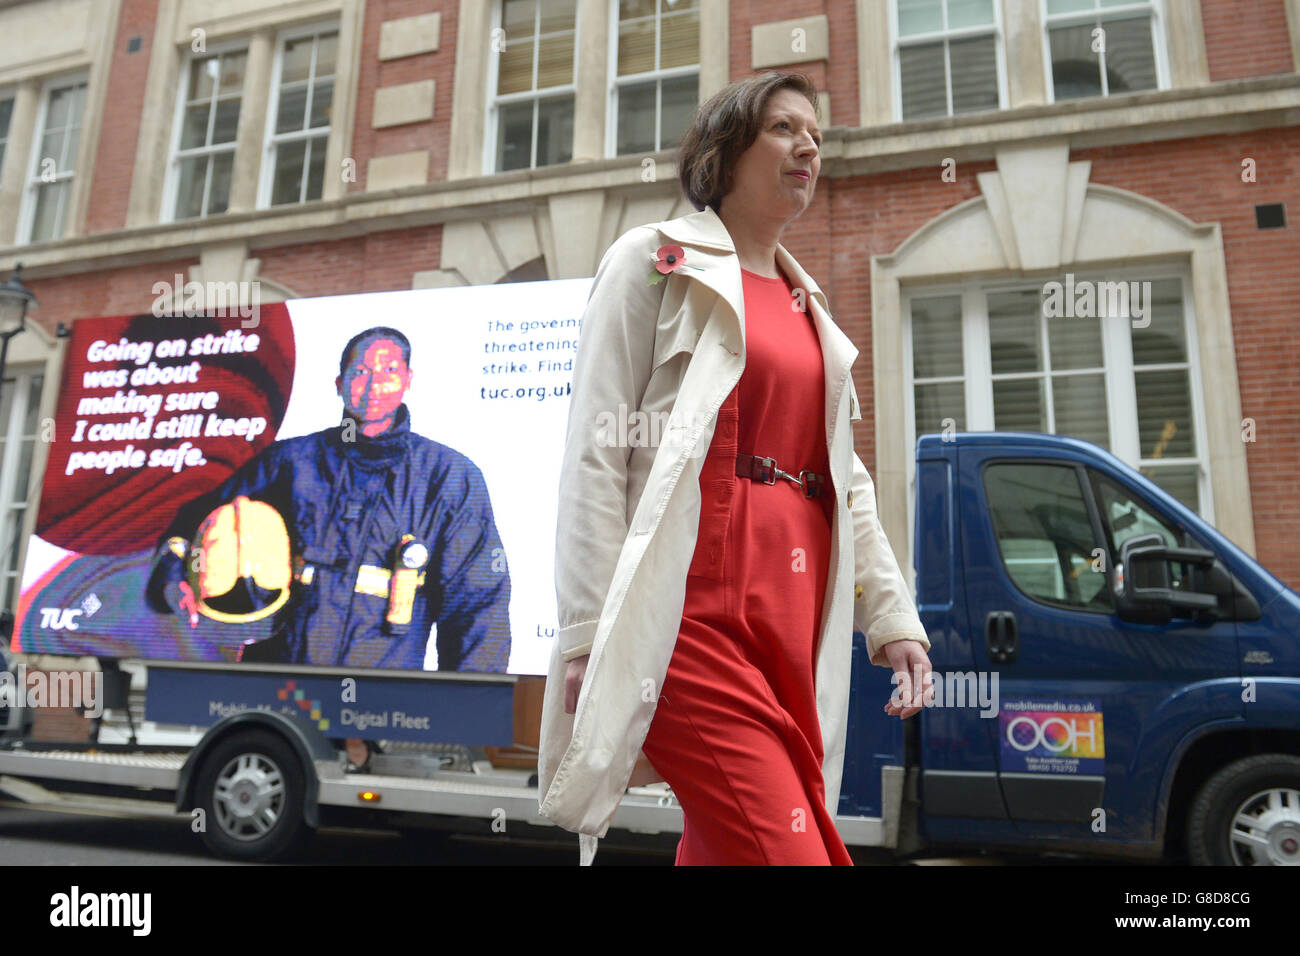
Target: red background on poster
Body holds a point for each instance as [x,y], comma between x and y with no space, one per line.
[92,512]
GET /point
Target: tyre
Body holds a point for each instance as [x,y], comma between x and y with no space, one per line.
[250,788]
[1248,814]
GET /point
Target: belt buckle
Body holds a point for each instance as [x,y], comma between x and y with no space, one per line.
[812,483]
[769,470]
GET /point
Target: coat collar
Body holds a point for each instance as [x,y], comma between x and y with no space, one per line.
[377,451]
[706,230]
[717,266]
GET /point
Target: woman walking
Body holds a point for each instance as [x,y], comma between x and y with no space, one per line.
[732,522]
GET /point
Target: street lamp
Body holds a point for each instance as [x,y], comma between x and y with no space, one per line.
[15,300]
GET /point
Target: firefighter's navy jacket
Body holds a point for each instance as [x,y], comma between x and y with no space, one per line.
[347,504]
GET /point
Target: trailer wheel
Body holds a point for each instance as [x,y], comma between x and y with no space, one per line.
[1248,814]
[250,788]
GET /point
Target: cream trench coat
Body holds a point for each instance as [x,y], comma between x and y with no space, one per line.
[628,516]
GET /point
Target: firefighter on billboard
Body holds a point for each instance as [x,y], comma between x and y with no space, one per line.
[360,539]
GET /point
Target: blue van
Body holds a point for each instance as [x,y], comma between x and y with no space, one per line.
[1112,675]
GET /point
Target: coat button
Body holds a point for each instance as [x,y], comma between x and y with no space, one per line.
[857,593]
[850,499]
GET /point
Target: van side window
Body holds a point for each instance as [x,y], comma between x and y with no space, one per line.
[1044,536]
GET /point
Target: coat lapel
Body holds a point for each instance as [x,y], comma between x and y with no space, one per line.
[706,231]
[709,249]
[710,257]
[838,351]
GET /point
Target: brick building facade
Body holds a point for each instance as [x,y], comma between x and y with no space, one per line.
[973,150]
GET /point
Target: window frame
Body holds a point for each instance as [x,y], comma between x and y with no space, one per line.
[1183,536]
[271,140]
[1159,42]
[9,472]
[616,82]
[1117,353]
[10,93]
[31,182]
[896,43]
[1095,524]
[496,100]
[171,180]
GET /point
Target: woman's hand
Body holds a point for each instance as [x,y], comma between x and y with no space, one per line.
[912,675]
[574,672]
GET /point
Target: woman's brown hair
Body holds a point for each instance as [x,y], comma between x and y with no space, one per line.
[724,127]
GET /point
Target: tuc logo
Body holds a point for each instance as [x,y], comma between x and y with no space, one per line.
[60,618]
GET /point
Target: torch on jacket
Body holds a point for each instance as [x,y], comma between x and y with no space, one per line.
[669,354]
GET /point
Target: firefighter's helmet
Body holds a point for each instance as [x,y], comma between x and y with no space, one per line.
[239,564]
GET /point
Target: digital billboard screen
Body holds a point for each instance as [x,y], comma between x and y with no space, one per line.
[362,481]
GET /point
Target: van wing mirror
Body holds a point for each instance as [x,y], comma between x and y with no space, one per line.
[1144,588]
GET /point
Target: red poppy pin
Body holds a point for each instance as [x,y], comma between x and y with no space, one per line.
[669,259]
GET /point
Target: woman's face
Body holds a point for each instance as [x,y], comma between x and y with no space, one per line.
[788,142]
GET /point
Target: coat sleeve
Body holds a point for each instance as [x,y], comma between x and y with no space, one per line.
[883,608]
[611,370]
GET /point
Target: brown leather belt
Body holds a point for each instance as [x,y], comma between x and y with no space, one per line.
[765,470]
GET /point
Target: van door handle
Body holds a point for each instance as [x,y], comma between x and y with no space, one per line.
[1001,636]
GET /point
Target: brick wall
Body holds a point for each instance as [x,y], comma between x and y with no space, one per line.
[871,215]
[110,181]
[839,77]
[57,724]
[440,66]
[63,725]
[378,262]
[1200,178]
[122,291]
[849,220]
[1246,38]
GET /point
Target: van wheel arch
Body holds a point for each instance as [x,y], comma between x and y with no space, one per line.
[250,787]
[1257,795]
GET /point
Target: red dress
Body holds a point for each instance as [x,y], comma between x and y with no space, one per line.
[736,733]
